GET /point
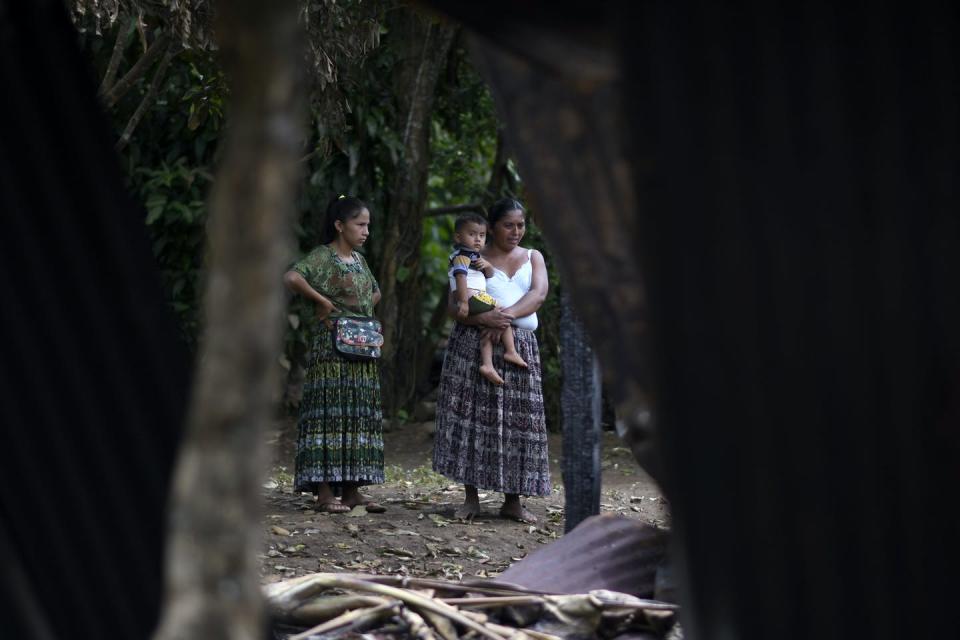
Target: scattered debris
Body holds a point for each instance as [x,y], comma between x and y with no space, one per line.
[429,609]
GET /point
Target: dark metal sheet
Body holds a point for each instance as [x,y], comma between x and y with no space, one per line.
[603,552]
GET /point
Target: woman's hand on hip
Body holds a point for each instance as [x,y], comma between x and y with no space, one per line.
[324,309]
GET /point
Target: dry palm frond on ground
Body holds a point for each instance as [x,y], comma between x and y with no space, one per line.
[332,605]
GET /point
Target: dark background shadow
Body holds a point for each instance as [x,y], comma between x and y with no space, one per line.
[793,178]
[93,379]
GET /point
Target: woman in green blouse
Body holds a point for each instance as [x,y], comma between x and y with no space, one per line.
[340,441]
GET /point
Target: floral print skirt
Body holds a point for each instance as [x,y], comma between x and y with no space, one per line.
[340,430]
[492,437]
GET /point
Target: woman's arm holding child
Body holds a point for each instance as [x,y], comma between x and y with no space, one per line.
[533,299]
[493,319]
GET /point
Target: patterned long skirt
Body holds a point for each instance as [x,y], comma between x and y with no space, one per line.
[340,430]
[492,437]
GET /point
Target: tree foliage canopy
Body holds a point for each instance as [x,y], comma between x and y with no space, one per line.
[353,58]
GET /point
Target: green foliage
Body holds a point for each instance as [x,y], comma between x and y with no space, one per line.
[463,146]
[169,168]
[435,256]
[171,158]
[355,147]
[174,196]
[204,95]
[464,138]
[422,477]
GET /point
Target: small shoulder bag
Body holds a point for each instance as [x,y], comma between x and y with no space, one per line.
[357,338]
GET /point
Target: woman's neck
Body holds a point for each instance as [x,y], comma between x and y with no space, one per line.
[341,248]
[500,252]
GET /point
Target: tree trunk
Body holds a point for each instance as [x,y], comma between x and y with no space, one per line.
[425,44]
[212,587]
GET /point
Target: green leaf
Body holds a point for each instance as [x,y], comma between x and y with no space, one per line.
[155,205]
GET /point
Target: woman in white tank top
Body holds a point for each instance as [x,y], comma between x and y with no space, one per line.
[495,437]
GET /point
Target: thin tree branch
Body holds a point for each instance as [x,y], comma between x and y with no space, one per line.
[460,208]
[117,91]
[148,98]
[310,155]
[119,46]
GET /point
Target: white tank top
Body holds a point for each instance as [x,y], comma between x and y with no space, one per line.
[508,290]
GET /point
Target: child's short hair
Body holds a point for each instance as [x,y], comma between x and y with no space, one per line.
[466,218]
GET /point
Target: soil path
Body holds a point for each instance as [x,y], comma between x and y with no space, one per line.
[417,535]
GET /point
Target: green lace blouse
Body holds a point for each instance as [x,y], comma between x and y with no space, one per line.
[348,285]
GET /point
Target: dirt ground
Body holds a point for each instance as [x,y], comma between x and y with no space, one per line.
[418,535]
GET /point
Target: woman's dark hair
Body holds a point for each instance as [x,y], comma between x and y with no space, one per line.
[341,208]
[501,208]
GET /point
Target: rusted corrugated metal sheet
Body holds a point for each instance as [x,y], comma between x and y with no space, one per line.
[603,552]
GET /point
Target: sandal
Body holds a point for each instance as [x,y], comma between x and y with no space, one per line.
[332,507]
[369,505]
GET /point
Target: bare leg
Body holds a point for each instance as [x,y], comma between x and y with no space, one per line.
[514,510]
[510,349]
[326,501]
[471,504]
[486,362]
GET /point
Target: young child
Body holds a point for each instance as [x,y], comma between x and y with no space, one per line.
[468,279]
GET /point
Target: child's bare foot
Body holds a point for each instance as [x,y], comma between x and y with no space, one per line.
[488,372]
[514,358]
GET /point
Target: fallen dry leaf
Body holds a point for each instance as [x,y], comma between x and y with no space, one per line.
[438,520]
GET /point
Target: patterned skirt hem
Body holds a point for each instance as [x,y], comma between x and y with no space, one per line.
[530,488]
[307,482]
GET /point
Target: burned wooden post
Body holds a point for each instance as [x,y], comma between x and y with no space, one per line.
[580,402]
